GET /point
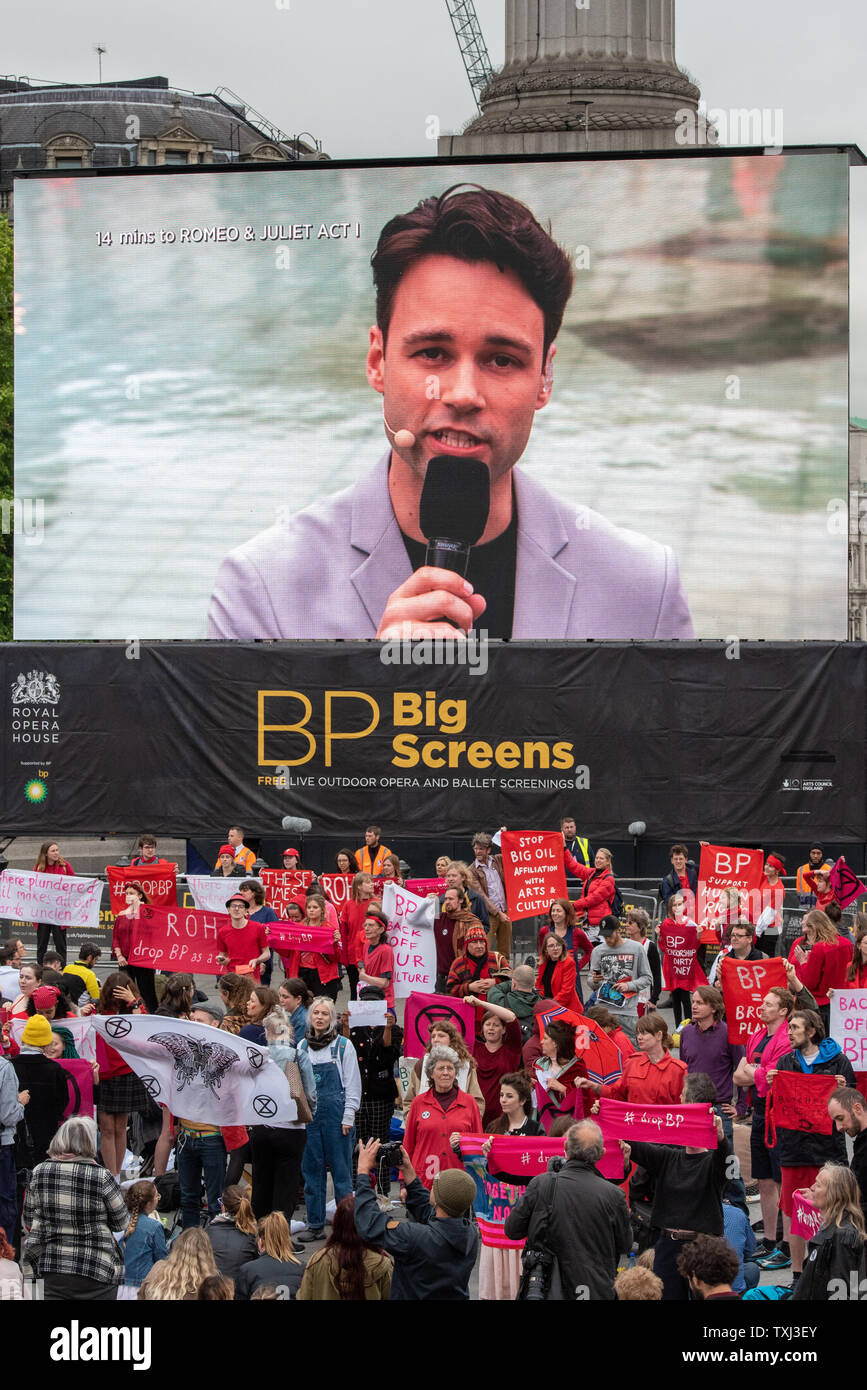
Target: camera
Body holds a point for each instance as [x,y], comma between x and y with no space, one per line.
[537,1265]
[390,1154]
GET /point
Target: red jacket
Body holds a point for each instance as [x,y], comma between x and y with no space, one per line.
[352,915]
[581,943]
[562,984]
[428,1127]
[598,892]
[825,967]
[643,1082]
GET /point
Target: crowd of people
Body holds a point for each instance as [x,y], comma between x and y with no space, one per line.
[105,1194]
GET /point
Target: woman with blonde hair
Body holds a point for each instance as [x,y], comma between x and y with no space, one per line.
[190,1260]
[276,1265]
[444,1034]
[598,892]
[837,1250]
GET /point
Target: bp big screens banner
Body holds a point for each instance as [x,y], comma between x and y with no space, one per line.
[192,376]
[116,737]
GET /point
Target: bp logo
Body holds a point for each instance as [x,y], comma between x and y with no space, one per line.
[35,791]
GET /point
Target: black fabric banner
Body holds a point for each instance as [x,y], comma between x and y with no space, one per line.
[757,742]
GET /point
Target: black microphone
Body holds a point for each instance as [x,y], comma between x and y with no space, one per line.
[453,511]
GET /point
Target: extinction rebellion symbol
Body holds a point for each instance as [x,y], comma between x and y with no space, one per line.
[118,1027]
[151,1085]
[256,1058]
[265,1107]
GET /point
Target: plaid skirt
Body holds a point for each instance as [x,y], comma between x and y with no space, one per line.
[121,1095]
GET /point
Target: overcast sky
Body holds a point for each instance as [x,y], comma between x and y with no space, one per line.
[363,76]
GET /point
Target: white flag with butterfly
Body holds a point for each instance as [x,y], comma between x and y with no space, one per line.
[200,1072]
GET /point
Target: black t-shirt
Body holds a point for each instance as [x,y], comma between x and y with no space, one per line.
[376,1062]
[491,572]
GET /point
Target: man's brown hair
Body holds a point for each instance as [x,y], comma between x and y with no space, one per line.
[472,223]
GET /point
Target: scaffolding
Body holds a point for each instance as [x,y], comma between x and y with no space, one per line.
[471,42]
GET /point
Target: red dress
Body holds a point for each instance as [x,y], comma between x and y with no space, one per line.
[492,1066]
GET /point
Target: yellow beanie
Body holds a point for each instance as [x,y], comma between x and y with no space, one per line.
[37,1031]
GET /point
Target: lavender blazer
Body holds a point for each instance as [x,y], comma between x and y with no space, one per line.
[328,571]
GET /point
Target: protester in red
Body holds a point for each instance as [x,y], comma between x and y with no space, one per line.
[376,963]
[351,919]
[651,1076]
[439,1116]
[476,970]
[560,1075]
[243,944]
[320,971]
[147,853]
[769,922]
[51,861]
[123,937]
[561,922]
[803,1152]
[821,958]
[681,972]
[497,1053]
[121,1093]
[557,974]
[818,882]
[599,886]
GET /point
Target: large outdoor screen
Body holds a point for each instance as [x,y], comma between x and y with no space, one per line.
[218,434]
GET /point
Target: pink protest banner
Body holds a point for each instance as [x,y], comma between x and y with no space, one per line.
[533,870]
[63,899]
[845,883]
[691,1125]
[79,1079]
[529,1157]
[336,887]
[744,985]
[286,937]
[422,886]
[159,881]
[849,1025]
[284,886]
[806,1219]
[721,868]
[425,1010]
[178,938]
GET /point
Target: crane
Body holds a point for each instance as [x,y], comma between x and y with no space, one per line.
[471,42]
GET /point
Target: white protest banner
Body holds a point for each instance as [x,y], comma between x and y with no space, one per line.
[410,936]
[63,899]
[367,1013]
[200,1072]
[211,894]
[849,1025]
[81,1029]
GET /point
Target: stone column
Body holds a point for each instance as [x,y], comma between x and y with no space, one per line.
[616,55]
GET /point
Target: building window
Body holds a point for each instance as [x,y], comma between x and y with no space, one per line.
[68,162]
[175,157]
[70,151]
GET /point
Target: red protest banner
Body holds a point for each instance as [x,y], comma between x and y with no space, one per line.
[286,937]
[679,947]
[284,886]
[723,867]
[159,881]
[798,1101]
[744,985]
[533,870]
[423,1011]
[177,938]
[336,887]
[691,1125]
[422,886]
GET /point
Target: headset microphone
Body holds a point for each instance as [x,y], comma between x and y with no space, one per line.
[403,439]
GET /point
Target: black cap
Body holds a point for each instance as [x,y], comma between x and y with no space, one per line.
[609,924]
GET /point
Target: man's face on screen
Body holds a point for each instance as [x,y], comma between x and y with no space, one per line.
[462,367]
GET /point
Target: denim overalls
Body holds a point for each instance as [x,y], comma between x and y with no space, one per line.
[327,1146]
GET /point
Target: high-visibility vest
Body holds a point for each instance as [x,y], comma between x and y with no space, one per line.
[583,848]
[801,886]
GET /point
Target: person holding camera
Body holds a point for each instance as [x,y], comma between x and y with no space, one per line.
[434,1251]
[575,1225]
